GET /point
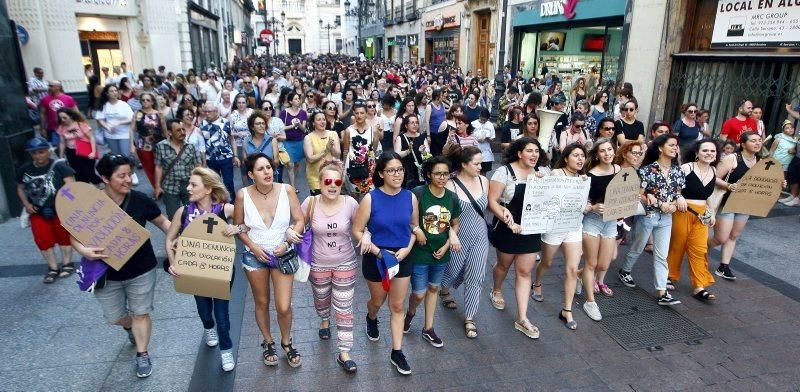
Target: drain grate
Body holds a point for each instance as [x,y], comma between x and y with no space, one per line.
[634,319]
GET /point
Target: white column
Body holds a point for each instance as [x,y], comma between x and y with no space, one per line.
[641,61]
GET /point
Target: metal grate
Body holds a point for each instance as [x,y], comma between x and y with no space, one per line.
[634,320]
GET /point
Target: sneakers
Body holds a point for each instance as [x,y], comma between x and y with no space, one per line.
[143,365]
[211,337]
[399,361]
[134,179]
[227,360]
[724,272]
[407,322]
[592,310]
[786,199]
[131,338]
[794,202]
[430,337]
[626,278]
[372,329]
[667,300]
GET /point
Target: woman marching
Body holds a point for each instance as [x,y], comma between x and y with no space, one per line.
[274,219]
[468,266]
[72,129]
[570,164]
[319,145]
[412,146]
[294,121]
[662,180]
[506,193]
[390,213]
[690,225]
[439,222]
[360,141]
[207,194]
[334,265]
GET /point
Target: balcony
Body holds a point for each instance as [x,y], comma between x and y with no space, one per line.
[412,14]
[398,14]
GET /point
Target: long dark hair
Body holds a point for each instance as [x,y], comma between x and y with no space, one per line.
[593,158]
[427,166]
[562,160]
[404,123]
[653,152]
[512,153]
[380,165]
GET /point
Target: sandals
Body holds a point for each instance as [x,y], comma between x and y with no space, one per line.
[538,297]
[447,300]
[671,285]
[325,333]
[497,300]
[51,276]
[269,352]
[291,354]
[572,325]
[704,296]
[66,270]
[348,365]
[527,328]
[470,330]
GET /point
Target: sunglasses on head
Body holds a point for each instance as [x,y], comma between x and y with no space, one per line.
[329,181]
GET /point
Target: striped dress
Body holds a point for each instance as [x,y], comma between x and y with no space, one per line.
[468,266]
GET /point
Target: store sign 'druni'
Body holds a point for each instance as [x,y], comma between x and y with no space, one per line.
[558,7]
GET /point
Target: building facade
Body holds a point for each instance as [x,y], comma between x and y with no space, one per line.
[402,27]
[66,35]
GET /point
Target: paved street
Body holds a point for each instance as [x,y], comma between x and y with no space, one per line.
[54,338]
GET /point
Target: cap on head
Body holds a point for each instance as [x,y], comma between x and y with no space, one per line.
[56,83]
[37,144]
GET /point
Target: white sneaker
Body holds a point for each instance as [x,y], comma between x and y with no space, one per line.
[227,360]
[786,199]
[793,203]
[211,337]
[592,310]
[135,179]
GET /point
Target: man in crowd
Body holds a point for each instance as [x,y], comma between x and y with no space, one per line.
[175,160]
[219,150]
[48,110]
[740,123]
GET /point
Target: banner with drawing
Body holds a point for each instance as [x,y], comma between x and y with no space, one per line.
[554,204]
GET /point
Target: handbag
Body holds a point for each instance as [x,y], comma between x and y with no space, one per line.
[24,218]
[83,148]
[305,248]
[283,156]
[417,163]
[287,262]
[358,171]
[705,217]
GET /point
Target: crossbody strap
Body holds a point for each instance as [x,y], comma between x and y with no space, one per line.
[469,195]
[172,164]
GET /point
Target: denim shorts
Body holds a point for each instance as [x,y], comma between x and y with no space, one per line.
[132,296]
[251,263]
[594,226]
[734,216]
[425,275]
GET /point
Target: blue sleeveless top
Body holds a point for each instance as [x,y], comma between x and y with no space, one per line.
[390,218]
[437,118]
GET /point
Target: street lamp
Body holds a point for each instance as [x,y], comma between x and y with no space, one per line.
[274,23]
[362,11]
[329,26]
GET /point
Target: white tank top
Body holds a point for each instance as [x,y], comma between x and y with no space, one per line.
[267,237]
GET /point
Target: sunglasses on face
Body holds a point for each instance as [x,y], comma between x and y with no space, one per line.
[329,181]
[691,111]
[608,128]
[371,106]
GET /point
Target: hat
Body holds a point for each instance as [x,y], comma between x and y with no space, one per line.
[276,71]
[558,98]
[786,122]
[36,144]
[54,82]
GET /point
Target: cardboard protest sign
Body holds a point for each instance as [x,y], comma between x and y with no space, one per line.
[758,190]
[622,195]
[204,258]
[554,204]
[96,221]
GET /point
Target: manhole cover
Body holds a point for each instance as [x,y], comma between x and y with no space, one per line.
[634,319]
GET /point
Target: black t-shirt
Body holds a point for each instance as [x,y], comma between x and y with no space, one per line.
[631,131]
[510,132]
[455,95]
[41,186]
[142,209]
[561,124]
[337,127]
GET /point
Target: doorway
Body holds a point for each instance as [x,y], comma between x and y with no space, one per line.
[295,46]
[101,49]
[484,23]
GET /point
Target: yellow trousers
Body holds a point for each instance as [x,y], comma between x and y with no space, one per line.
[689,236]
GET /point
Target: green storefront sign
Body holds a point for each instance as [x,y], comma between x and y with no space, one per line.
[560,11]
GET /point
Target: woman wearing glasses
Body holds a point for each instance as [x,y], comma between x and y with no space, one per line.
[576,134]
[294,121]
[319,145]
[599,108]
[687,128]
[332,122]
[628,128]
[334,265]
[312,101]
[390,213]
[150,129]
[412,146]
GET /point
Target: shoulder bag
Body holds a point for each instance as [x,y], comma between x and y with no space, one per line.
[489,227]
[417,163]
[305,248]
[172,164]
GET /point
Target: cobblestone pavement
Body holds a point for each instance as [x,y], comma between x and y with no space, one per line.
[54,337]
